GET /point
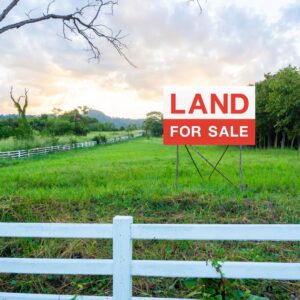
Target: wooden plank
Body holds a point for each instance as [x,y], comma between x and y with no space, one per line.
[241,270]
[56,230]
[284,232]
[56,266]
[155,231]
[19,296]
[122,258]
[204,269]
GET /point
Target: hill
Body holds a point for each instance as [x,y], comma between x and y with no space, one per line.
[3,117]
[102,117]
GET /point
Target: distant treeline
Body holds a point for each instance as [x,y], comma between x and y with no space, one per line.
[74,122]
[277,116]
[278,109]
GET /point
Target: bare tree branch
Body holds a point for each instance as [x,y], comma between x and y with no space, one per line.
[49,5]
[83,21]
[199,5]
[34,20]
[8,9]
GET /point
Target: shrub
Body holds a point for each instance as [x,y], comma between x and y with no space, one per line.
[54,141]
[73,140]
[100,139]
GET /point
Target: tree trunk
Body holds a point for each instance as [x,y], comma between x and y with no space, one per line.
[260,142]
[292,142]
[299,142]
[269,140]
[283,140]
[276,140]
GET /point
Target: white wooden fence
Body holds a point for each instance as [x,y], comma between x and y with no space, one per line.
[50,149]
[122,267]
[123,138]
[45,150]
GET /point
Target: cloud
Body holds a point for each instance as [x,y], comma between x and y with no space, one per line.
[231,42]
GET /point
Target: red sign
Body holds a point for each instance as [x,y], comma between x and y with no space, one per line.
[209,116]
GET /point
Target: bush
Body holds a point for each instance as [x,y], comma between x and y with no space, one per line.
[100,139]
[73,141]
[54,141]
[62,127]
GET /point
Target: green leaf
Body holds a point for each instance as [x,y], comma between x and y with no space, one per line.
[190,282]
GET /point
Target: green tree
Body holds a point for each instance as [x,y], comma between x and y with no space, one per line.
[131,127]
[278,108]
[284,104]
[61,127]
[5,130]
[154,123]
[78,118]
[264,121]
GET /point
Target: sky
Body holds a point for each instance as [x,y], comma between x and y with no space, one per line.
[232,42]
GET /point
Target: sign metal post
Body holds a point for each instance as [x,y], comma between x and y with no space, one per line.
[241,167]
[177,166]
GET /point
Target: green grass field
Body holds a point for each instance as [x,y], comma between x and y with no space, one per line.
[137,178]
[38,140]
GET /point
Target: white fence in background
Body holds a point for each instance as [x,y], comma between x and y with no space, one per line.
[123,138]
[122,267]
[45,150]
[50,149]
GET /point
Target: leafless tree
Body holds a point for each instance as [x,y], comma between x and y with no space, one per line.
[24,130]
[84,21]
[17,102]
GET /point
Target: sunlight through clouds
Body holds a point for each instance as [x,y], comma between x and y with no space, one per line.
[231,42]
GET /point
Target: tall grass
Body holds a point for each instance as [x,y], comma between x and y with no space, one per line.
[138,178]
[38,140]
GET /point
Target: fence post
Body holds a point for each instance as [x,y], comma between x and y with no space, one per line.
[122,258]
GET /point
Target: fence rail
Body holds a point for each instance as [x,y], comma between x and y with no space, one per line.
[50,149]
[45,150]
[122,267]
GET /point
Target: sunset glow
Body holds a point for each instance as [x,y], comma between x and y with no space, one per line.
[169,42]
